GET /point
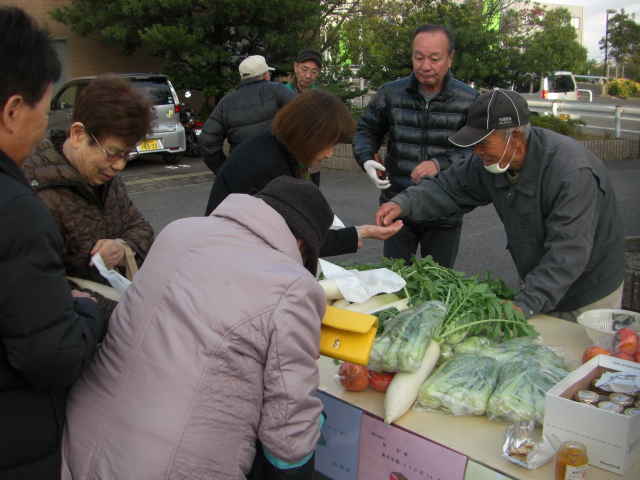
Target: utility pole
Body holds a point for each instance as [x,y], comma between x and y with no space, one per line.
[606,46]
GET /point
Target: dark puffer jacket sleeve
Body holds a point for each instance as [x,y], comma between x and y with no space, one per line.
[49,337]
[211,141]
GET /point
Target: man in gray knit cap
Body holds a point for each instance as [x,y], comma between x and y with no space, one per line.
[214,348]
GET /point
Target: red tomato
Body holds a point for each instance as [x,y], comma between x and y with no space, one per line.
[353,377]
[591,352]
[626,341]
[380,381]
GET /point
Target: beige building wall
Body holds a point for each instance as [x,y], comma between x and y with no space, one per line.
[83,55]
[577,17]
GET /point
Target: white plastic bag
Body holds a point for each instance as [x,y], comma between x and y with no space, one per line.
[117,281]
[358,286]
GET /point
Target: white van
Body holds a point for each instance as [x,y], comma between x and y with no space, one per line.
[559,86]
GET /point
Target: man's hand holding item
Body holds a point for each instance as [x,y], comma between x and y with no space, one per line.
[387,213]
[373,168]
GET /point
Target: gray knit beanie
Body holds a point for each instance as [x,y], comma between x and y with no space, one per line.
[305,210]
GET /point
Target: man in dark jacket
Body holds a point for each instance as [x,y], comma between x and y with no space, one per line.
[419,112]
[243,112]
[559,210]
[47,336]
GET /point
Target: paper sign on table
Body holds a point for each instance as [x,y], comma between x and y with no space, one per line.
[388,453]
[475,471]
[338,459]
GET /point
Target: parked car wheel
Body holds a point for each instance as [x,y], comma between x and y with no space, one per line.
[172,158]
[193,148]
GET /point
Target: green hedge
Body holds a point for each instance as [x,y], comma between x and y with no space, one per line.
[565,125]
[623,88]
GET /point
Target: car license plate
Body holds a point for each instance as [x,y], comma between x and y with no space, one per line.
[148,145]
[198,132]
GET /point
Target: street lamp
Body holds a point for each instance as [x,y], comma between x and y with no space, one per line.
[606,46]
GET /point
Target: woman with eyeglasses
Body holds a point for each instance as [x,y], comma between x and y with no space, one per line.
[76,175]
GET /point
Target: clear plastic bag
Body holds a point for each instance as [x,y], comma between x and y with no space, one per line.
[518,446]
[402,345]
[462,386]
[622,344]
[522,388]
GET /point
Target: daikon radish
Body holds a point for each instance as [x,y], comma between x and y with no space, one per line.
[373,302]
[401,304]
[404,387]
[341,303]
[331,289]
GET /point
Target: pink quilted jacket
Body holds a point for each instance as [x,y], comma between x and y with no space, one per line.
[213,345]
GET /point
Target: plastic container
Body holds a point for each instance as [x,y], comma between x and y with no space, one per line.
[599,323]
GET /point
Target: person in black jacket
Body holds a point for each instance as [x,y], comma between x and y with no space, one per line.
[303,135]
[419,112]
[243,112]
[48,333]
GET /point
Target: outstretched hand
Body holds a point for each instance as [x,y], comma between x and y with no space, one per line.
[381,233]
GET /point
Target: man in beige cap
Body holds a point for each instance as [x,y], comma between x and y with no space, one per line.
[246,110]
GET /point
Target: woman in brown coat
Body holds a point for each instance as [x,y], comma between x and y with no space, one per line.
[76,175]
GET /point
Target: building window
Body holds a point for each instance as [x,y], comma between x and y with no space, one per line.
[575,22]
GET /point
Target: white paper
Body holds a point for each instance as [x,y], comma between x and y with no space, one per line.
[358,286]
[337,223]
[619,382]
[117,281]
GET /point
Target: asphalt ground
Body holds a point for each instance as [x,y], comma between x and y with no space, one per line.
[166,194]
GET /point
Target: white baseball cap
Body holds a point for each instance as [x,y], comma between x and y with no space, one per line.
[253,66]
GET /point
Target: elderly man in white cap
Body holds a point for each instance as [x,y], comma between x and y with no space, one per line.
[246,110]
[559,210]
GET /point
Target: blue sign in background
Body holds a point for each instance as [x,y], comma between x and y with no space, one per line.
[341,431]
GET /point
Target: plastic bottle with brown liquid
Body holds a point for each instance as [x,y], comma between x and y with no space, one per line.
[571,461]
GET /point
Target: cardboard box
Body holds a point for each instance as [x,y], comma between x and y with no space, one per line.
[612,439]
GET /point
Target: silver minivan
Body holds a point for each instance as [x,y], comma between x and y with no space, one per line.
[559,86]
[168,138]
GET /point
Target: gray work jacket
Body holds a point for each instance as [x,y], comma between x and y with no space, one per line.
[563,228]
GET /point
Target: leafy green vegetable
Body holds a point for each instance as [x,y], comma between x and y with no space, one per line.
[461,386]
[522,388]
[473,345]
[473,307]
[404,341]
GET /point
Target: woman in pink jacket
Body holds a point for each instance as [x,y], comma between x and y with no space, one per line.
[212,350]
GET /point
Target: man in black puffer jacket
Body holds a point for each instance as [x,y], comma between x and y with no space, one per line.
[419,112]
[243,112]
[47,337]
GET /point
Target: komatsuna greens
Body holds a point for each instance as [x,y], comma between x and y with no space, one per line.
[473,306]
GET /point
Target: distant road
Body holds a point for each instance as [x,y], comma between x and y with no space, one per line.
[166,194]
[598,125]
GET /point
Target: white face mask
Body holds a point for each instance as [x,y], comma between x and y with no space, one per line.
[495,167]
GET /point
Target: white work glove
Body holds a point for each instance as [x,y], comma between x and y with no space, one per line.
[372,167]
